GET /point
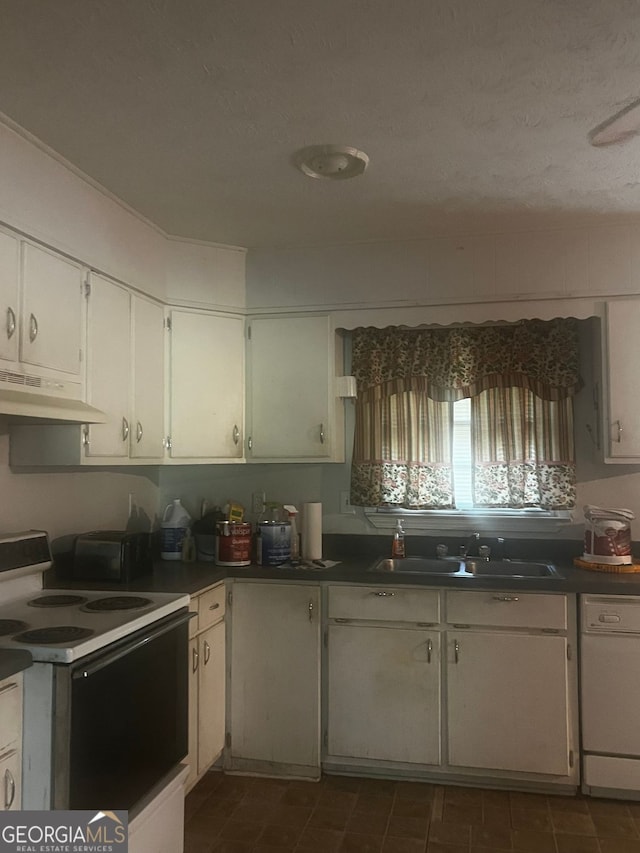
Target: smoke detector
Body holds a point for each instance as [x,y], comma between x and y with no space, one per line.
[331,162]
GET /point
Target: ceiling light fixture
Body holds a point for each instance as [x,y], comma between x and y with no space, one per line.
[331,162]
[619,128]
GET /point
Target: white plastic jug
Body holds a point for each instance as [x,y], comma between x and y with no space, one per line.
[175,522]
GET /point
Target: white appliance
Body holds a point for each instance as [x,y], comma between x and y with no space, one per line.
[34,396]
[106,699]
[610,695]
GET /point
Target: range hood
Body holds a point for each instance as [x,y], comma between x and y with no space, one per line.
[24,395]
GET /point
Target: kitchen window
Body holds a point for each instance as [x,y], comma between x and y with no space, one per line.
[472,419]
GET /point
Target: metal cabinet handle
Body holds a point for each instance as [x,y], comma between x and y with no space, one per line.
[250,443]
[195,657]
[214,606]
[429,650]
[384,594]
[310,610]
[321,433]
[236,434]
[456,651]
[9,789]
[506,598]
[139,432]
[33,327]
[125,429]
[11,323]
[207,652]
[619,435]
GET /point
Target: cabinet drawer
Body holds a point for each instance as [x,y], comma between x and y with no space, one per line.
[384,604]
[10,712]
[211,606]
[507,609]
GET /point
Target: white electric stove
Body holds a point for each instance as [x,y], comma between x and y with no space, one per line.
[106,698]
[62,626]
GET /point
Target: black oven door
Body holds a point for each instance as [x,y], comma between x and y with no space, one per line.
[127,718]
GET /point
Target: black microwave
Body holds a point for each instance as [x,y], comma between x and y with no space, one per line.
[111,555]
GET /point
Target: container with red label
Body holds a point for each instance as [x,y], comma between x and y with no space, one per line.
[607,535]
[233,543]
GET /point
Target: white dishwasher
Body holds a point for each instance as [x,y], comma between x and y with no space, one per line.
[610,695]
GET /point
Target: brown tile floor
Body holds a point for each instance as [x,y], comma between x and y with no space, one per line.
[342,814]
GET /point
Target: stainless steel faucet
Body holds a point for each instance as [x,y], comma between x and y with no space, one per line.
[464,549]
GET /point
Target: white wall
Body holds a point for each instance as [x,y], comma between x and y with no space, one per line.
[553,264]
[43,198]
[65,502]
[474,275]
[564,272]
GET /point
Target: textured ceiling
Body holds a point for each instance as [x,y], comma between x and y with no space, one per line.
[475,114]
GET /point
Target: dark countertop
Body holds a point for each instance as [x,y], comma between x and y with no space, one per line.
[357,553]
[13,661]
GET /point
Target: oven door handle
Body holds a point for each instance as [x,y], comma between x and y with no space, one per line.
[107,660]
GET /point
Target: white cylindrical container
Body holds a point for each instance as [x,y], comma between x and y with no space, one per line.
[175,522]
[311,531]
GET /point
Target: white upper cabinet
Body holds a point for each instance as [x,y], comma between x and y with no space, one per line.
[147,410]
[42,310]
[125,373]
[9,279]
[621,358]
[124,379]
[291,404]
[206,386]
[108,367]
[51,324]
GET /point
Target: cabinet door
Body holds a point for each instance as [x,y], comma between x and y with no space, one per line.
[108,367]
[290,387]
[206,385]
[10,742]
[622,357]
[10,780]
[9,277]
[192,757]
[275,661]
[507,699]
[10,712]
[384,694]
[147,422]
[211,705]
[51,326]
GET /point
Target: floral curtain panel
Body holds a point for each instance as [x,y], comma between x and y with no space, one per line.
[402,452]
[407,380]
[523,450]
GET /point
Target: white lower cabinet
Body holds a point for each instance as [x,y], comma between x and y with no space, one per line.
[508,702]
[451,684]
[11,743]
[383,697]
[206,682]
[273,706]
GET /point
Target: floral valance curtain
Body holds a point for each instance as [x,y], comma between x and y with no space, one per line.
[407,380]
